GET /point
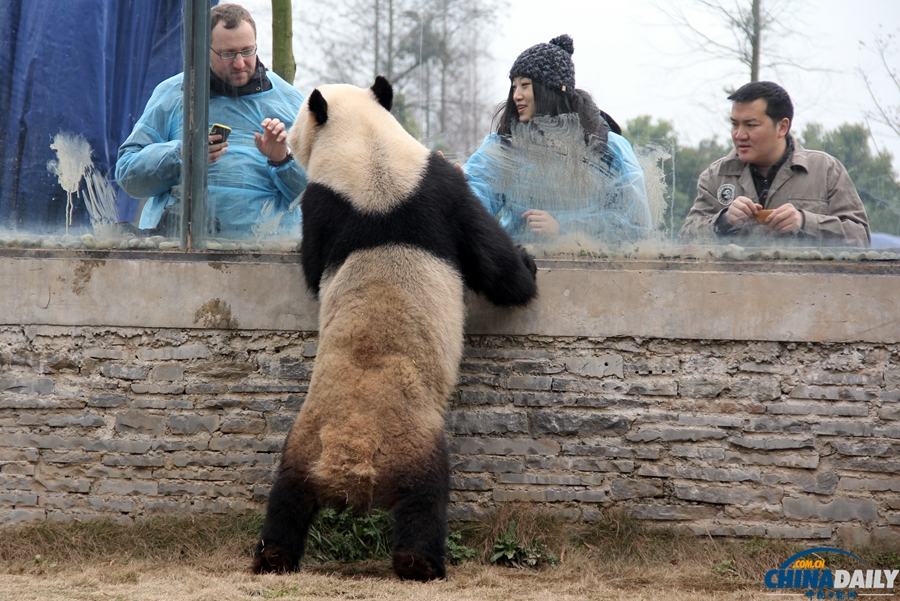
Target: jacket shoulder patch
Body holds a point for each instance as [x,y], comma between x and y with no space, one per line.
[725,194]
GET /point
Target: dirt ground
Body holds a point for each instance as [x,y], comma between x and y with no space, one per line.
[208,559]
[366,580]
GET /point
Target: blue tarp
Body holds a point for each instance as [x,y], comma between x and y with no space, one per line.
[84,67]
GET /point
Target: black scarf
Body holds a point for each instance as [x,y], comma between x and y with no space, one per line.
[762,182]
[258,83]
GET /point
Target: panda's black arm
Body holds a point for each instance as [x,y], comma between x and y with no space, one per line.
[311,260]
[490,262]
[319,205]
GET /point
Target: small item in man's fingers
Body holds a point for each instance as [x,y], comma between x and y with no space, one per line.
[762,214]
[218,128]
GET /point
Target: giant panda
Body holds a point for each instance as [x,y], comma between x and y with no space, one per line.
[391,235]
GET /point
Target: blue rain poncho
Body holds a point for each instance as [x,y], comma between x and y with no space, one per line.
[246,194]
[595,191]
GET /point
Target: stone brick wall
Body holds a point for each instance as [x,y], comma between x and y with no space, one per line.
[774,439]
[125,422]
[780,440]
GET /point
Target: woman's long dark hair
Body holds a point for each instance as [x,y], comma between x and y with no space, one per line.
[551,103]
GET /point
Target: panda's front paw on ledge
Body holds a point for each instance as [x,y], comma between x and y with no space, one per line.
[528,260]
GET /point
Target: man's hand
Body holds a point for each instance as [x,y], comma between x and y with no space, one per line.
[786,219]
[741,211]
[216,148]
[541,222]
[273,141]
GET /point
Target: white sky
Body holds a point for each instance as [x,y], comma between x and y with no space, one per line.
[635,62]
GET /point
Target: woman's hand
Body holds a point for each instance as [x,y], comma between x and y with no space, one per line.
[457,165]
[541,222]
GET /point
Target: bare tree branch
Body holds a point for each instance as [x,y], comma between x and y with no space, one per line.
[885,114]
[434,52]
[748,31]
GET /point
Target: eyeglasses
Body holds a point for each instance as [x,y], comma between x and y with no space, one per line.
[230,55]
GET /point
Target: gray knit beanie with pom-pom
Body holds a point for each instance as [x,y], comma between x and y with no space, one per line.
[550,64]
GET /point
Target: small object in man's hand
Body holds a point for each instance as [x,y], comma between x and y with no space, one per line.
[218,128]
[762,214]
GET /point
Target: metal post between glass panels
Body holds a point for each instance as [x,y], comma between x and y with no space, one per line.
[195,140]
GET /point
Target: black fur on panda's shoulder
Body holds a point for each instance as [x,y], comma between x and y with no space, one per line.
[442,216]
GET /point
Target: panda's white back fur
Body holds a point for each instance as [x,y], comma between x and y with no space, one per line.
[361,151]
[391,323]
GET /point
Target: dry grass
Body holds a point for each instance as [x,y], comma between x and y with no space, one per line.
[207,558]
[149,581]
[161,540]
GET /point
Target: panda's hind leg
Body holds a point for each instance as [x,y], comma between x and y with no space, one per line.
[291,509]
[420,520]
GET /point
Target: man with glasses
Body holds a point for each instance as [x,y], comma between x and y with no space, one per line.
[253,179]
[769,187]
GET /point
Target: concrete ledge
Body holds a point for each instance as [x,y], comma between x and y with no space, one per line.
[681,299]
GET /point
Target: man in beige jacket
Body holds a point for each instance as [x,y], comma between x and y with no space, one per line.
[769,189]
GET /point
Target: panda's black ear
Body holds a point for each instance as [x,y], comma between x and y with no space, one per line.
[384,92]
[318,107]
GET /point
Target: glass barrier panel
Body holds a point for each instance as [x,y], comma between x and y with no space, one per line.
[66,105]
[90,145]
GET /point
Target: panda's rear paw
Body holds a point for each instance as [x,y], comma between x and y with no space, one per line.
[272,558]
[412,566]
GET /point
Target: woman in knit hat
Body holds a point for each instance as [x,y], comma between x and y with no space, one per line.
[557,164]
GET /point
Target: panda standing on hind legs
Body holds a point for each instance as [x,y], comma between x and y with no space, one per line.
[391,235]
